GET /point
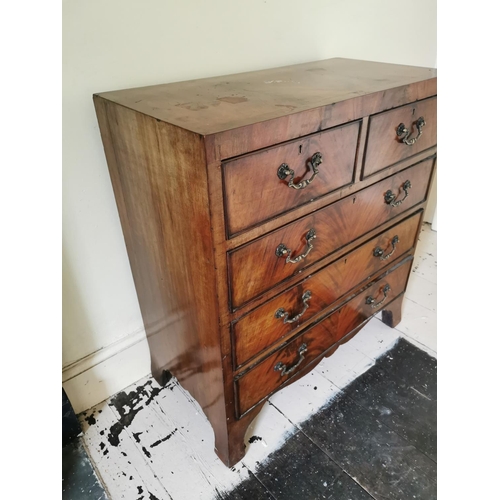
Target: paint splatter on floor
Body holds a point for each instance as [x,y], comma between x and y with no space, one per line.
[375,438]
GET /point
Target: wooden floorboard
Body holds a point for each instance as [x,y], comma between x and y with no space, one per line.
[301,470]
[400,403]
[250,488]
[380,459]
[79,479]
[375,439]
[412,367]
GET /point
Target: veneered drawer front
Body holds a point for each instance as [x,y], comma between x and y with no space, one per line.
[255,193]
[266,324]
[384,146]
[293,357]
[261,264]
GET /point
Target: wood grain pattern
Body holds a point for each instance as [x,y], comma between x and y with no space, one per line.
[384,147]
[152,166]
[260,328]
[266,227]
[255,267]
[259,135]
[264,379]
[212,105]
[254,192]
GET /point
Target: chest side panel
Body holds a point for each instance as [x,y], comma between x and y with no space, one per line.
[159,178]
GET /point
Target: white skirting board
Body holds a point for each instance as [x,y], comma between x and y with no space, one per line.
[107,371]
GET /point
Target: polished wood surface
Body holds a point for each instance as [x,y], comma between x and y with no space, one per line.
[233,142]
[194,171]
[284,219]
[384,147]
[254,192]
[264,379]
[212,105]
[261,328]
[255,268]
[152,166]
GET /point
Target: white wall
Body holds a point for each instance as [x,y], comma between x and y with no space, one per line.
[116,44]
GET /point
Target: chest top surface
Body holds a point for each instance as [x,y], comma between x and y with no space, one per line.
[212,105]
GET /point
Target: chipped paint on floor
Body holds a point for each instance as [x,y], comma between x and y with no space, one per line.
[152,442]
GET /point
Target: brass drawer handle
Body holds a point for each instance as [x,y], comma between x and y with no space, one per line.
[284,171]
[371,301]
[281,313]
[281,367]
[403,131]
[282,250]
[378,252]
[390,197]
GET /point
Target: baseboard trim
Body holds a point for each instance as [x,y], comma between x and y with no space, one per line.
[78,367]
[105,372]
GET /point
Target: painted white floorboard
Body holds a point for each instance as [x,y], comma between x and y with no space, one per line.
[123,472]
[167,448]
[419,324]
[175,450]
[421,292]
[305,397]
[424,266]
[374,339]
[269,430]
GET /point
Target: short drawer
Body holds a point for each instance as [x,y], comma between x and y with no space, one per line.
[286,312]
[270,259]
[268,183]
[400,133]
[292,358]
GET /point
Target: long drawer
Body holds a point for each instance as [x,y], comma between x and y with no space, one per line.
[286,312]
[283,364]
[262,185]
[261,264]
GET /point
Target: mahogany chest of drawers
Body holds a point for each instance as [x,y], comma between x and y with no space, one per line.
[267,216]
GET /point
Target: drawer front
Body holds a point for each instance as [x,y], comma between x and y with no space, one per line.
[261,264]
[285,313]
[292,358]
[384,146]
[254,192]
